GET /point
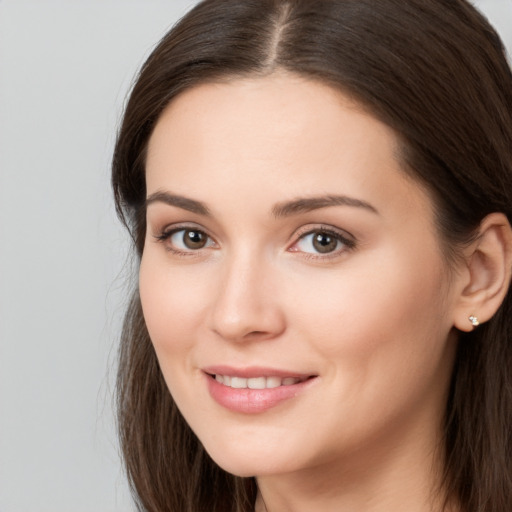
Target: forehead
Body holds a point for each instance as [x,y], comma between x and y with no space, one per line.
[295,134]
[285,102]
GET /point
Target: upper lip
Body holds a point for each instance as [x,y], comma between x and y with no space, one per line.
[249,372]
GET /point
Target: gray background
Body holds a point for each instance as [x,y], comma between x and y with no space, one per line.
[65,68]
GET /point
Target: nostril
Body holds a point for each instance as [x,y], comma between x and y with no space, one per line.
[255,333]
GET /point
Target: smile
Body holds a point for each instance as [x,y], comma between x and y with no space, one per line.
[257,382]
[254,390]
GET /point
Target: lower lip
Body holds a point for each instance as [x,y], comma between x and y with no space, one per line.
[251,401]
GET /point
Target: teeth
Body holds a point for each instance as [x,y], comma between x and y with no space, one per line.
[273,382]
[256,382]
[238,382]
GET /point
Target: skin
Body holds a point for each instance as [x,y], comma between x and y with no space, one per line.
[372,320]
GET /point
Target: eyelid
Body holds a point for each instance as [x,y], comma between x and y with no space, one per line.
[312,228]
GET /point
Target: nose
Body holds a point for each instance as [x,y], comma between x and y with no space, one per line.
[247,306]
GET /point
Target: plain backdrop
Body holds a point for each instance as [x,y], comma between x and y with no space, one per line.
[65,69]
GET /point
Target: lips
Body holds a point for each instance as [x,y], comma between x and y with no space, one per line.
[254,390]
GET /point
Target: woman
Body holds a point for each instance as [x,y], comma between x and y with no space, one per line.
[319,195]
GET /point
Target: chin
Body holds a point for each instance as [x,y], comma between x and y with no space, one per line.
[247,469]
[249,463]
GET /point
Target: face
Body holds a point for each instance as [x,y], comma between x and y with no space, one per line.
[292,279]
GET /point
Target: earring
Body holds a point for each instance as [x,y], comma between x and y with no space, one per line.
[474,321]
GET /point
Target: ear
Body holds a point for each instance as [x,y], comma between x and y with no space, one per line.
[487,272]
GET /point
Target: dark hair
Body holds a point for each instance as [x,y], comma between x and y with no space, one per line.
[434,71]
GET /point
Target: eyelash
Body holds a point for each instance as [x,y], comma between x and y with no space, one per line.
[347,241]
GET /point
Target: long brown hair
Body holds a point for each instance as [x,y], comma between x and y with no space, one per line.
[433,70]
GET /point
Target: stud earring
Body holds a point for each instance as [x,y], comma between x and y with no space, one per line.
[474,321]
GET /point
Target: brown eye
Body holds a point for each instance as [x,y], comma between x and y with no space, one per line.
[186,240]
[324,242]
[193,239]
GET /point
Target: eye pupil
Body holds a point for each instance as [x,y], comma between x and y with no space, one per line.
[323,242]
[194,239]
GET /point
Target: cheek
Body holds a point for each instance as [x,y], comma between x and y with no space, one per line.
[383,335]
[170,304]
[373,314]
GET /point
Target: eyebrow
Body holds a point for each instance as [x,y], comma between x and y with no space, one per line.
[307,204]
[285,209]
[184,203]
